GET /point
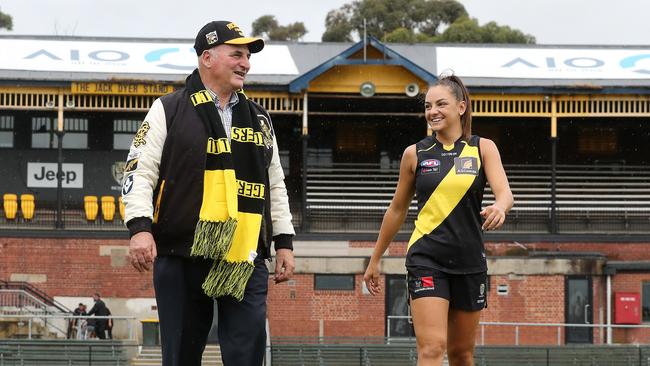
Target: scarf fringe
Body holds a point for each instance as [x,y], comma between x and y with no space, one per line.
[213,239]
[228,279]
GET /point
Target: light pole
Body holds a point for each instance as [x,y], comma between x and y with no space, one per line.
[59,173]
[554,138]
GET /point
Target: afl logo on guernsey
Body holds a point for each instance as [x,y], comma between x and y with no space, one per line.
[430,163]
[430,166]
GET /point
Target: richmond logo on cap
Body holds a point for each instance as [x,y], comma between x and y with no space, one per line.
[212,37]
[235,27]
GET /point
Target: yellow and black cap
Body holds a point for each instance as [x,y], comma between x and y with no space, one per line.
[222,31]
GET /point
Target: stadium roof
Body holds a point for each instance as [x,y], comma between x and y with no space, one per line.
[291,65]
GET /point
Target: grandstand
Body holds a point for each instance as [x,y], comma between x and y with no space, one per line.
[604,199]
[573,138]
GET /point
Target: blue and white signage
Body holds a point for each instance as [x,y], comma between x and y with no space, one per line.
[44,175]
[545,63]
[125,57]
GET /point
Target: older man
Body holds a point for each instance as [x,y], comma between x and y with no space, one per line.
[204,196]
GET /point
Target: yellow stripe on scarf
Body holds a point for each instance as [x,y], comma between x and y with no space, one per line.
[229,275]
[218,216]
[246,236]
[219,195]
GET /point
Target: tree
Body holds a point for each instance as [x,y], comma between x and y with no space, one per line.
[467,30]
[494,33]
[263,25]
[391,19]
[268,27]
[5,21]
[338,26]
[411,21]
[401,35]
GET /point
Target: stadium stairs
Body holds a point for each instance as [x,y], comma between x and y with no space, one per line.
[151,356]
[18,299]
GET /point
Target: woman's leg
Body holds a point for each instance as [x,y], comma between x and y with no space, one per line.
[468,296]
[430,322]
[461,337]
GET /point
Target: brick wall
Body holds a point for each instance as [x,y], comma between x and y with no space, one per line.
[296,309]
[79,267]
[74,267]
[613,251]
[630,282]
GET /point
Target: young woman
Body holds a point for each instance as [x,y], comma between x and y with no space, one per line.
[445,260]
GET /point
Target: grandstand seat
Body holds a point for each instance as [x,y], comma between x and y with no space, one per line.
[108,208]
[91,207]
[121,205]
[27,205]
[10,205]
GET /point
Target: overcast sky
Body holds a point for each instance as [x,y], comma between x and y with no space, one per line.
[580,22]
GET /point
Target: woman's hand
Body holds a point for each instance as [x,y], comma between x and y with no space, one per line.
[494,217]
[371,278]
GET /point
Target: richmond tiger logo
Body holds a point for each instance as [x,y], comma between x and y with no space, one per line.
[139,140]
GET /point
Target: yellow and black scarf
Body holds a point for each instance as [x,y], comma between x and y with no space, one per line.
[233,193]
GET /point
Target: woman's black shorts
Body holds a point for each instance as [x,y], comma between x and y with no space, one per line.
[464,291]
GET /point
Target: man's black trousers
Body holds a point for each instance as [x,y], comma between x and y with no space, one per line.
[186,313]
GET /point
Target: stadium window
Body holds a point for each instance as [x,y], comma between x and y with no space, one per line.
[334,282]
[6,131]
[502,289]
[123,132]
[44,137]
[645,302]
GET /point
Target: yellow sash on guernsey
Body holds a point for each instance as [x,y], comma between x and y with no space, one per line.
[445,197]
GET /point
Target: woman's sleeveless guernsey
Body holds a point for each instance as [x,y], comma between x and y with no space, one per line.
[449,183]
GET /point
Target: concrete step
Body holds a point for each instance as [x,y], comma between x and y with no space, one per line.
[151,356]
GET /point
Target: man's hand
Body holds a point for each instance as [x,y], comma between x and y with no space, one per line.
[142,251]
[284,265]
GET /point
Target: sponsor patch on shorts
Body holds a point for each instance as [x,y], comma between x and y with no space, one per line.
[424,284]
[481,294]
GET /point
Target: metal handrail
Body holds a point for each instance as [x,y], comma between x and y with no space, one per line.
[129,319]
[44,297]
[22,293]
[35,302]
[70,352]
[530,167]
[517,325]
